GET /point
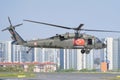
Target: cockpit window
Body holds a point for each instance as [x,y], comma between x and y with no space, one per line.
[98,40]
[89,41]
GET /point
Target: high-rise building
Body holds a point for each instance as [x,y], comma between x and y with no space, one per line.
[38,55]
[46,55]
[90,59]
[80,62]
[5,51]
[2,51]
[115,54]
[67,59]
[62,59]
[118,53]
[19,54]
[111,54]
[72,58]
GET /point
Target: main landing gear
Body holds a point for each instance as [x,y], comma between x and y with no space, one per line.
[87,51]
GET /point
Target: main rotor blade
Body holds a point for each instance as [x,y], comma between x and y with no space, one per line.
[49,24]
[100,30]
[9,21]
[79,27]
[76,29]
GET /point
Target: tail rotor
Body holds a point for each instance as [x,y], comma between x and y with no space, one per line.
[11,26]
[15,36]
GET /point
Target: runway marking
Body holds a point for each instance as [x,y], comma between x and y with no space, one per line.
[118,76]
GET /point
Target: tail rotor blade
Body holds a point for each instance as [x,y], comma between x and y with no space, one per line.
[18,25]
[5,29]
[11,26]
[9,21]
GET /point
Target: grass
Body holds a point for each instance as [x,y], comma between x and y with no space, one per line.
[115,78]
[17,75]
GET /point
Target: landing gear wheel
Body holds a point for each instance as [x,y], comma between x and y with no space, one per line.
[87,51]
[82,51]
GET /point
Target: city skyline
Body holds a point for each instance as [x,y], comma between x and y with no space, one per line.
[64,58]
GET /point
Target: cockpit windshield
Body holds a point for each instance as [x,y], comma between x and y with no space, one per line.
[98,40]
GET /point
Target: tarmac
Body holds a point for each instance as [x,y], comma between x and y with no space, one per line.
[70,76]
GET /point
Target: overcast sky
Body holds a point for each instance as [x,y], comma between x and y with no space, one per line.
[95,14]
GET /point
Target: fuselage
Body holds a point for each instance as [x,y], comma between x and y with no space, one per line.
[68,40]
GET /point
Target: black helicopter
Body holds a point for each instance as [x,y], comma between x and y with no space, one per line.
[75,40]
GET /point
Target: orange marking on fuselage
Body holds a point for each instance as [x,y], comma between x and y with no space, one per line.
[79,42]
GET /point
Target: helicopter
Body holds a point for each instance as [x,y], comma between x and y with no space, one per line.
[75,40]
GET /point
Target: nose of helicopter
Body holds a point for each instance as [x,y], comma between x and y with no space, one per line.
[104,45]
